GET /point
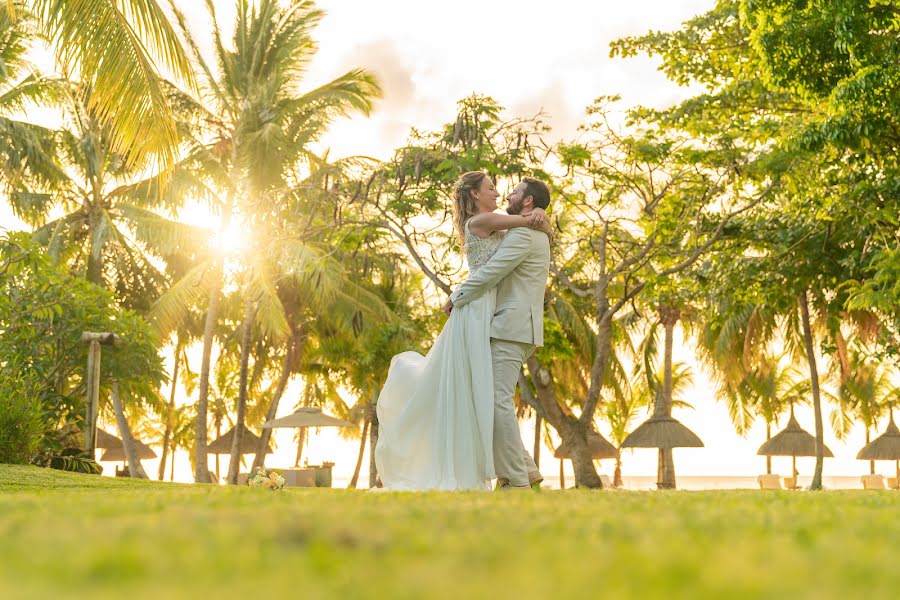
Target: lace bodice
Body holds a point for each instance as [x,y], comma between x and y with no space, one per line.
[480,250]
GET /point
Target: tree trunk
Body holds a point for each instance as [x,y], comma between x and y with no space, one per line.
[201,467]
[234,464]
[817,400]
[260,459]
[871,462]
[617,475]
[135,468]
[170,413]
[301,438]
[172,468]
[373,439]
[536,453]
[572,432]
[666,471]
[768,458]
[359,457]
[218,435]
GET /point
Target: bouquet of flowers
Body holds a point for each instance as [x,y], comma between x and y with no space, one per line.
[266,479]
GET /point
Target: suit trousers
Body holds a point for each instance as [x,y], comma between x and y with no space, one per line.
[511,461]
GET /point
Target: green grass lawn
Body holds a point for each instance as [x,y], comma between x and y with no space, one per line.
[65,535]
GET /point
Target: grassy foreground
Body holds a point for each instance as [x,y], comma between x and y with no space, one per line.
[68,536]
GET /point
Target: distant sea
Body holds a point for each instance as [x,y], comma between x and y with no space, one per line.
[686,482]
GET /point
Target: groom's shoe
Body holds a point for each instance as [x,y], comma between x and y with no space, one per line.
[534,479]
[508,487]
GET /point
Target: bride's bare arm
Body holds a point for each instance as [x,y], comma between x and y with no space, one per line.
[486,223]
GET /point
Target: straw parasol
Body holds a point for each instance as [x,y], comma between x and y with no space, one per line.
[600,448]
[107,440]
[305,417]
[308,416]
[664,433]
[117,453]
[885,447]
[793,441]
[249,442]
[599,445]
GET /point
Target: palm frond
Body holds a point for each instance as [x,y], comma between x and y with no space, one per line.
[117,56]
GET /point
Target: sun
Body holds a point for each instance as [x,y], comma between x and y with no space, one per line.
[231,240]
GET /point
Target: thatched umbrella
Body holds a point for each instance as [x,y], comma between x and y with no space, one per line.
[308,416]
[885,447]
[107,440]
[664,433]
[305,417]
[249,441]
[793,441]
[117,453]
[599,446]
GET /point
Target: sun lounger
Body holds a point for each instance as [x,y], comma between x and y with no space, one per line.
[790,483]
[892,483]
[873,482]
[769,482]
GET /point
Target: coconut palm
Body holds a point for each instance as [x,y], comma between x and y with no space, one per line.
[626,403]
[27,151]
[669,311]
[864,394]
[260,125]
[114,227]
[118,48]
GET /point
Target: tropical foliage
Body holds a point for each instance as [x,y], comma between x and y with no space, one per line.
[755,221]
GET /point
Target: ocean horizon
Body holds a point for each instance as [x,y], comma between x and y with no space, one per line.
[685,482]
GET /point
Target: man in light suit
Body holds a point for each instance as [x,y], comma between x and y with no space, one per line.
[519,271]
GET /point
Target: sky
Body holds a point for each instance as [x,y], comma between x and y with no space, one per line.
[529,56]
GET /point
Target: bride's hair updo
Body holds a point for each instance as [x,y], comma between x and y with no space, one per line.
[464,205]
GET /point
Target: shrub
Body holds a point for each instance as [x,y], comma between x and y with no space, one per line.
[21,419]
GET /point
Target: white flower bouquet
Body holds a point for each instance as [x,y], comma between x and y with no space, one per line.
[267,479]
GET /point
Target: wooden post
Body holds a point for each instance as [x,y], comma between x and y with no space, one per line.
[92,385]
[374,481]
[562,475]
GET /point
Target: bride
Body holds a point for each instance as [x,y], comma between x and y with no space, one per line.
[436,412]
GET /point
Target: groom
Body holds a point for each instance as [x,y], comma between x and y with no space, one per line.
[519,271]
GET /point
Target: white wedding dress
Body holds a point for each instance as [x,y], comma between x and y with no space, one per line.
[436,412]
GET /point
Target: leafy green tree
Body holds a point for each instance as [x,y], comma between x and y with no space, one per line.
[43,312]
[637,207]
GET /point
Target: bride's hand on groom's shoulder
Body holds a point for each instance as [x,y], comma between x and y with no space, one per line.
[447,308]
[538,219]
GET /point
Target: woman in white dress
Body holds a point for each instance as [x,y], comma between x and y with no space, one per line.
[436,412]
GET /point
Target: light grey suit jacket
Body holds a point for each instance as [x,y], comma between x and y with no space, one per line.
[519,270]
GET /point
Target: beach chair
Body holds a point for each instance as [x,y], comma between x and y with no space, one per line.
[893,483]
[790,483]
[769,482]
[873,482]
[607,483]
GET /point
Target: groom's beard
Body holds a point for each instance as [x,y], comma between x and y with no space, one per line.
[513,209]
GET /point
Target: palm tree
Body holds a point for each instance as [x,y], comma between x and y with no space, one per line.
[864,395]
[110,234]
[118,47]
[27,151]
[639,395]
[113,229]
[261,127]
